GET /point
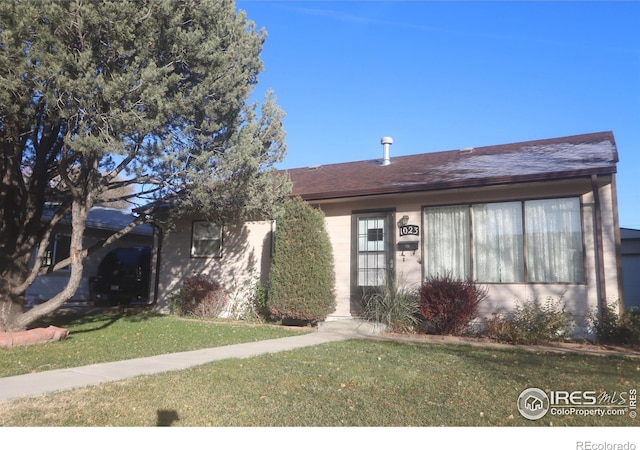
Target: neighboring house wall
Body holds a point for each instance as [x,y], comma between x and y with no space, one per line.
[101,223]
[631,267]
[46,286]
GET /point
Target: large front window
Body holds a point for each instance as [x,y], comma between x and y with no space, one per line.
[488,242]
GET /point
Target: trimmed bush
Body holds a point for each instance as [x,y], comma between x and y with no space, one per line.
[259,300]
[199,297]
[617,329]
[301,281]
[448,305]
[532,323]
[396,307]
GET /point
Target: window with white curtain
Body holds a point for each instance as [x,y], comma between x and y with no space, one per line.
[487,242]
[497,242]
[554,240]
[446,241]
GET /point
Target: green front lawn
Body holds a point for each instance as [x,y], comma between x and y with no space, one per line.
[359,383]
[125,334]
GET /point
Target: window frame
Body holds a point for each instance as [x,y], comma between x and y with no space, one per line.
[389,235]
[193,249]
[524,253]
[52,252]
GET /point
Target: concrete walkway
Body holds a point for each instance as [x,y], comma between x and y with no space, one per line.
[62,379]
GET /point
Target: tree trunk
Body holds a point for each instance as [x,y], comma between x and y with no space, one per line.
[12,318]
[10,309]
[13,272]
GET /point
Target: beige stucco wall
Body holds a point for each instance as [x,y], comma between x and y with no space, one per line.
[579,298]
[339,230]
[247,249]
[246,256]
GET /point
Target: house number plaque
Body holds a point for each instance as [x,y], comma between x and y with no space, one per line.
[409,230]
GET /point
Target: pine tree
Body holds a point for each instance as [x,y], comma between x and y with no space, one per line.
[98,96]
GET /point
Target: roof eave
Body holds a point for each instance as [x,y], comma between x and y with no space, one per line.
[469,183]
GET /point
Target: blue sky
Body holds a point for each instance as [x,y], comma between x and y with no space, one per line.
[444,75]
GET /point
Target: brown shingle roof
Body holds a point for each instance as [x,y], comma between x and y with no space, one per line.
[558,158]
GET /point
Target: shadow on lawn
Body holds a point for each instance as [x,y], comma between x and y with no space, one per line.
[516,364]
[102,318]
[166,417]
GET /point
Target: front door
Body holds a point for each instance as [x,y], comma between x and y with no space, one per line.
[372,254]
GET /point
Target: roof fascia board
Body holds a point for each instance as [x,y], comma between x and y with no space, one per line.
[459,184]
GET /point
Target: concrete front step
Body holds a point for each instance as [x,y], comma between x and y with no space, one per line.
[352,326]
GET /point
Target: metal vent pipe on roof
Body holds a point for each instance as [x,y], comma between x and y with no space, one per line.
[386,142]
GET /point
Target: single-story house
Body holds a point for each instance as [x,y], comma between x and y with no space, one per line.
[630,239]
[535,219]
[101,223]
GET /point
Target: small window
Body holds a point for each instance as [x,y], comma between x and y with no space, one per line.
[57,250]
[206,240]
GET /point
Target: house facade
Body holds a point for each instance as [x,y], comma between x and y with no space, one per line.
[529,220]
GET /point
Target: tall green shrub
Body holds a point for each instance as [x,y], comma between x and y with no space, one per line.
[301,281]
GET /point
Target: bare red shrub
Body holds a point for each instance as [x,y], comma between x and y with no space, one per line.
[448,305]
[202,297]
